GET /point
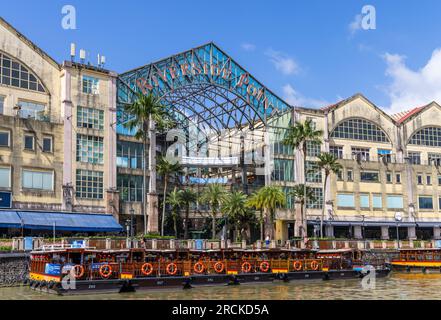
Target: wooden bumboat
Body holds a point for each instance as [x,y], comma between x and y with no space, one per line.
[86,270]
[418,260]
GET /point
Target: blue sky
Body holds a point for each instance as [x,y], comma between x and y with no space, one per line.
[305,51]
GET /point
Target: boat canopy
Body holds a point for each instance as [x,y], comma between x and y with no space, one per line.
[61,221]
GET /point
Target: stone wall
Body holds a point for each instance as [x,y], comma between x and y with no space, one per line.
[14,269]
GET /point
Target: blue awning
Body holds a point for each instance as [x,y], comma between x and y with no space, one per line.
[9,219]
[76,222]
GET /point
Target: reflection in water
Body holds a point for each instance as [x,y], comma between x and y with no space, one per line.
[397,286]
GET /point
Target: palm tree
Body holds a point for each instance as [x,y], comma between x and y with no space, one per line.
[271,198]
[188,197]
[174,199]
[298,136]
[146,113]
[235,207]
[166,169]
[299,191]
[328,163]
[255,201]
[213,196]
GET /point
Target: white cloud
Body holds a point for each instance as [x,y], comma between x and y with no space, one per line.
[355,25]
[295,98]
[409,88]
[248,46]
[282,62]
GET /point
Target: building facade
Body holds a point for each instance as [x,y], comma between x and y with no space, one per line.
[64,146]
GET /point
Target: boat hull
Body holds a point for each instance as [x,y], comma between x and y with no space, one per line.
[177,282]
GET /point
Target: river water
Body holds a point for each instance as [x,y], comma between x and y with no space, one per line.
[395,287]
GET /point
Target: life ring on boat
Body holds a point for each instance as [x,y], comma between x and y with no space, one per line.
[199,268]
[219,267]
[172,269]
[147,269]
[314,265]
[297,265]
[105,271]
[78,271]
[264,266]
[246,267]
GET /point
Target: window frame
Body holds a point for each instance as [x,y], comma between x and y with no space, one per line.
[52,173]
[46,137]
[425,197]
[27,135]
[9,187]
[9,138]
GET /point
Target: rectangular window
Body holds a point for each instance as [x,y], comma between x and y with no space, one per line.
[283,170]
[346,200]
[2,105]
[414,157]
[5,177]
[361,154]
[89,184]
[129,155]
[389,177]
[369,176]
[4,139]
[425,202]
[47,144]
[428,180]
[420,179]
[385,155]
[439,180]
[90,149]
[337,151]
[364,201]
[29,142]
[398,178]
[377,201]
[314,174]
[395,202]
[32,110]
[38,180]
[313,149]
[318,199]
[434,159]
[90,118]
[350,175]
[90,85]
[130,187]
[340,175]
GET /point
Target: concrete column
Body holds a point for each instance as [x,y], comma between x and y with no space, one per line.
[384,233]
[436,233]
[108,244]
[67,113]
[111,134]
[154,244]
[281,230]
[152,196]
[112,203]
[244,244]
[411,233]
[358,232]
[329,231]
[172,244]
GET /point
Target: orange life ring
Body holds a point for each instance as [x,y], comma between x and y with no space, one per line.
[78,271]
[246,267]
[219,267]
[264,266]
[147,269]
[314,265]
[297,265]
[105,271]
[172,269]
[199,267]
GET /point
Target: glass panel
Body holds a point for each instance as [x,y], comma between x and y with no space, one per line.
[394,202]
[359,129]
[425,202]
[364,201]
[377,201]
[346,200]
[5,177]
[4,139]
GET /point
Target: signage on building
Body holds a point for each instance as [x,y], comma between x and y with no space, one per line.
[5,200]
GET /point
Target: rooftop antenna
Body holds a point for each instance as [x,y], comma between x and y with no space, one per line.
[73,52]
[99,60]
[103,61]
[82,55]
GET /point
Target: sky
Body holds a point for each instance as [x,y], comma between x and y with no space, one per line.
[312,53]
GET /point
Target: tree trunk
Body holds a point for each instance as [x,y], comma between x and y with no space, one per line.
[213,225]
[144,182]
[187,215]
[268,227]
[304,225]
[262,231]
[324,205]
[175,224]
[163,205]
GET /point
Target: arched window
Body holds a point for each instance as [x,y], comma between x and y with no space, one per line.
[430,136]
[359,129]
[13,73]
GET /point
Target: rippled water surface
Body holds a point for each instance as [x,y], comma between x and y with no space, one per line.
[396,286]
